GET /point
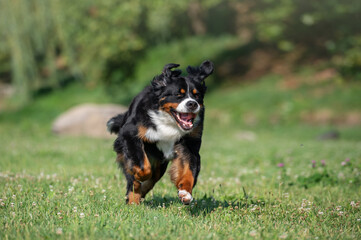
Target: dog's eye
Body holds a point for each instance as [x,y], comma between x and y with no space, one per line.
[181,93]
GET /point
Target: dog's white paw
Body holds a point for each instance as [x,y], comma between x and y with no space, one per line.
[185,197]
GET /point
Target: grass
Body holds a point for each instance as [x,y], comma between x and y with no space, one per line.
[69,187]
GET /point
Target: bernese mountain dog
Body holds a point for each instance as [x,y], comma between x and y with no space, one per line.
[163,123]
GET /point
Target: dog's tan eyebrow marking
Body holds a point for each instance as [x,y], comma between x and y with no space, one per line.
[194,91]
[183,91]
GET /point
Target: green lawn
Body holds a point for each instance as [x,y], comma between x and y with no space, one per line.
[257,179]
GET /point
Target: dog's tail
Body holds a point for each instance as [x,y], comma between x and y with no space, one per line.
[115,123]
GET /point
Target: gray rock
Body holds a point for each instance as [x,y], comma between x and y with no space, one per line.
[87,120]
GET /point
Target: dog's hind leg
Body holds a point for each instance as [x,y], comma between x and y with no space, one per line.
[137,190]
[158,170]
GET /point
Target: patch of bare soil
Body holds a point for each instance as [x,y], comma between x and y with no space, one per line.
[327,116]
[293,81]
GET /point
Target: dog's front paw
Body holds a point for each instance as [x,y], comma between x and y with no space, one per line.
[185,197]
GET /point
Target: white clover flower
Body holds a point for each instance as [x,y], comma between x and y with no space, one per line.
[59,231]
[82,215]
[341,175]
[253,233]
[284,236]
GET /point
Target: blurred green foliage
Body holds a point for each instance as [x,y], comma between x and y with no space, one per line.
[123,43]
[179,51]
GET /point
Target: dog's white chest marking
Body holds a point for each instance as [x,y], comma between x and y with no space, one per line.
[166,134]
[167,148]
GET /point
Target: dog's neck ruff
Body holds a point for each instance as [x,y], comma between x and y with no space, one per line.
[166,133]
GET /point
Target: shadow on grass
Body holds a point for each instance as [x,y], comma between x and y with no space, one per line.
[201,206]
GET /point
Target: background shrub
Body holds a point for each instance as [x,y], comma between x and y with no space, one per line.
[50,43]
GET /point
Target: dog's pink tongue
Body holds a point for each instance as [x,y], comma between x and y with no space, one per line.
[187,117]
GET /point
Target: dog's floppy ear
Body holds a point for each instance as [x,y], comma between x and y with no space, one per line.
[167,70]
[159,81]
[167,74]
[201,72]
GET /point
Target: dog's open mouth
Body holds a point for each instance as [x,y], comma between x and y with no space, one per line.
[184,120]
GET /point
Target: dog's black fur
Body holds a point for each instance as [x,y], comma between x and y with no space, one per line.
[163,123]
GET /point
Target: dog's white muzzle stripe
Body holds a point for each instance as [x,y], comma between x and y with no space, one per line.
[182,106]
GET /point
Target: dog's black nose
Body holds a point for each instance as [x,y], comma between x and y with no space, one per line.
[192,105]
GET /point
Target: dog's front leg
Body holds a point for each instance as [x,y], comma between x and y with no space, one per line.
[136,160]
[136,165]
[183,172]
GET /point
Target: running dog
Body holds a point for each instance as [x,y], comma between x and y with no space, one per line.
[163,123]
